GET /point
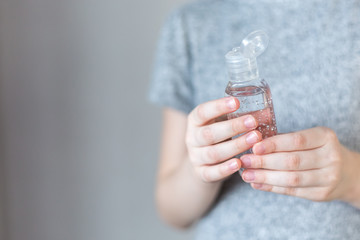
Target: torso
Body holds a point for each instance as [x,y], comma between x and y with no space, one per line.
[313,68]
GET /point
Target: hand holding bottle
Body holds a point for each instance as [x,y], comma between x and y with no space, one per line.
[310,164]
[209,152]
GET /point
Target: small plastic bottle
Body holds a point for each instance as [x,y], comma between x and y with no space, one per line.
[244,83]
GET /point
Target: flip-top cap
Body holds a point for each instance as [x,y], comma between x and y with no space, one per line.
[241,61]
[254,44]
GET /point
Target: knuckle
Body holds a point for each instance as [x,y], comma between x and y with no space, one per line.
[290,191]
[188,140]
[223,170]
[323,195]
[239,144]
[207,135]
[258,162]
[335,157]
[212,154]
[191,117]
[333,178]
[299,140]
[193,157]
[261,177]
[235,125]
[270,144]
[293,162]
[268,188]
[193,161]
[294,180]
[205,176]
[330,134]
[201,113]
[273,146]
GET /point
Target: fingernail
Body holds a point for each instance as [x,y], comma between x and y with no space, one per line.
[251,138]
[234,165]
[259,148]
[246,162]
[230,102]
[249,122]
[248,176]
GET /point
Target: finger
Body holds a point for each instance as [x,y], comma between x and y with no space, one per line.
[220,131]
[310,178]
[302,140]
[313,193]
[218,172]
[208,111]
[218,153]
[301,160]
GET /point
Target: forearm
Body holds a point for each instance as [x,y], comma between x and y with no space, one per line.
[182,198]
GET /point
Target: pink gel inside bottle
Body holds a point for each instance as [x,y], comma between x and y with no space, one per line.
[257,101]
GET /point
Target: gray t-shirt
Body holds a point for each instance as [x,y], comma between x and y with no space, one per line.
[312,65]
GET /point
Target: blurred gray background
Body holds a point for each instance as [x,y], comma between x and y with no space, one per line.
[78,141]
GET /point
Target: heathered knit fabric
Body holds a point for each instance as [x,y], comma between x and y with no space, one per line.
[312,65]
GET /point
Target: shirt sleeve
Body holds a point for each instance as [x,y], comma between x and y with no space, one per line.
[171,80]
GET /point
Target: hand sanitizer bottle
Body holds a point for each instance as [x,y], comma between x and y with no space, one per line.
[244,83]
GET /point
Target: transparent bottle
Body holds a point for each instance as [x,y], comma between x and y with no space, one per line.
[245,84]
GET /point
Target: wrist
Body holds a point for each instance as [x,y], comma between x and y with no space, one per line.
[352,192]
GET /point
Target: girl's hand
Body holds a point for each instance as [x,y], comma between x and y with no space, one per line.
[310,164]
[208,150]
